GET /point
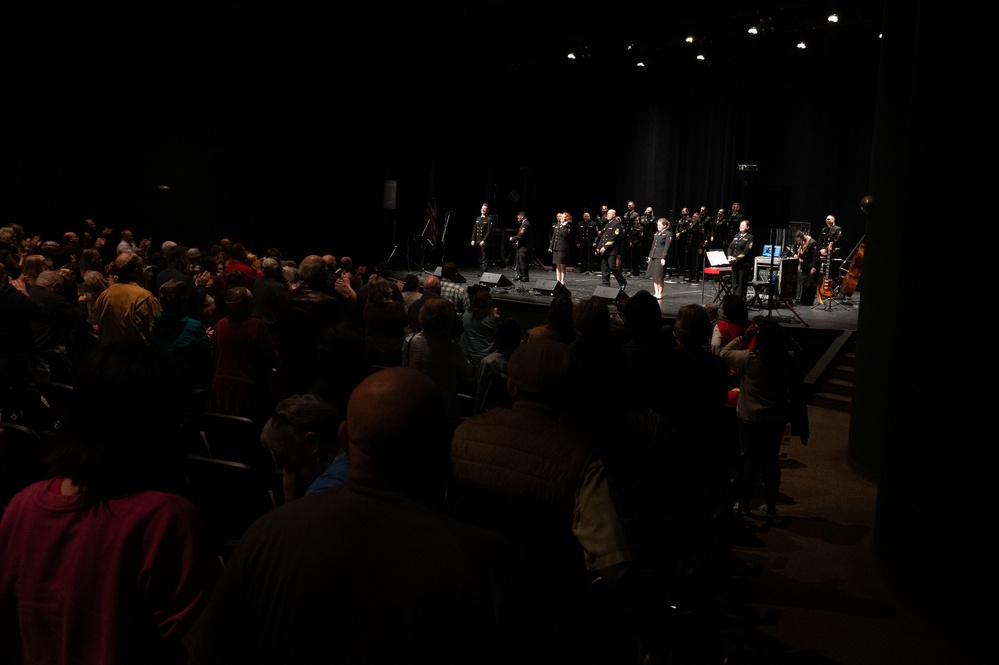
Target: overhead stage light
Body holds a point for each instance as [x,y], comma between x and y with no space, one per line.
[801,45]
[833,18]
[571,56]
[753,30]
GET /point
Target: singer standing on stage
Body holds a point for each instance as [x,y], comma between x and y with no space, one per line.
[559,244]
[609,248]
[658,250]
[586,242]
[740,257]
[525,245]
[480,232]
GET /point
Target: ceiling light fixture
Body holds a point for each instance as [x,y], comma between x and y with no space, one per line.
[571,56]
[689,39]
[700,57]
[801,44]
[833,18]
[753,30]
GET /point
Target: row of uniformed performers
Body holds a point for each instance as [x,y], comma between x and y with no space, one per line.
[691,234]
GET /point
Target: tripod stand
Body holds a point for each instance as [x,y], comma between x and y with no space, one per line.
[395,248]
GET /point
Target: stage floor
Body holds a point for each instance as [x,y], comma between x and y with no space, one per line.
[837,313]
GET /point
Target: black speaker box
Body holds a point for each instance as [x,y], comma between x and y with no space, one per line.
[494,279]
[549,287]
[611,294]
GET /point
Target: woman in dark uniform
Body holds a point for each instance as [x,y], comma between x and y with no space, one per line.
[658,251]
[560,243]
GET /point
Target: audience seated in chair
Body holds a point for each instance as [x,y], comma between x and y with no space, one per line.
[302,436]
[371,572]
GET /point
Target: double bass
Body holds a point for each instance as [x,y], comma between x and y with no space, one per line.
[852,274]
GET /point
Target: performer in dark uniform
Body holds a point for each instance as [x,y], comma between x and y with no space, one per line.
[586,240]
[720,231]
[740,257]
[829,246]
[658,250]
[636,245]
[480,233]
[678,250]
[808,267]
[559,244]
[525,246]
[649,228]
[609,248]
[695,247]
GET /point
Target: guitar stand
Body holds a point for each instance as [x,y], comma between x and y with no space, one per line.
[830,302]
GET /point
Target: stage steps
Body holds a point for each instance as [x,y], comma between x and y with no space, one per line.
[835,391]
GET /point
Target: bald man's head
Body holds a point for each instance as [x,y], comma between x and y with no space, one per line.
[397,435]
[431,284]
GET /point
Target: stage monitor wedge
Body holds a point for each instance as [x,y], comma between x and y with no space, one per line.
[549,287]
[610,294]
[495,279]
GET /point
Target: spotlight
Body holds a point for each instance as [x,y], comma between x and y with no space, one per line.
[753,30]
[700,56]
[690,39]
[801,45]
[833,18]
[639,64]
[571,56]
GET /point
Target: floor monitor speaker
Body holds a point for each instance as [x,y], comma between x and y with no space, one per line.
[437,271]
[497,279]
[611,294]
[549,287]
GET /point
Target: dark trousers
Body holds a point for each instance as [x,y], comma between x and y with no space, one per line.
[741,272]
[523,262]
[760,450]
[611,264]
[482,253]
[587,260]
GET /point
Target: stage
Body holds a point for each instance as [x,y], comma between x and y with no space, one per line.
[533,297]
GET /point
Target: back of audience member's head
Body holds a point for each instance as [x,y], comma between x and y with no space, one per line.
[507,335]
[383,413]
[643,317]
[693,326]
[129,267]
[176,256]
[411,282]
[94,283]
[735,310]
[482,303]
[542,370]
[238,301]
[130,399]
[312,271]
[449,270]
[432,284]
[174,295]
[560,316]
[90,259]
[592,317]
[437,317]
[346,264]
[380,290]
[52,280]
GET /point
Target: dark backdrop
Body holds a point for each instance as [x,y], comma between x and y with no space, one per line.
[280,130]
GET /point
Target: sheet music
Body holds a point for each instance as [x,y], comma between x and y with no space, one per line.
[716,258]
